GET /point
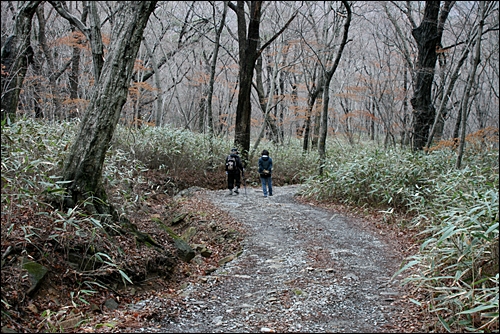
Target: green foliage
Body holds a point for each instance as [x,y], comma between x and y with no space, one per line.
[182,153]
[32,160]
[458,262]
[174,150]
[456,210]
[32,157]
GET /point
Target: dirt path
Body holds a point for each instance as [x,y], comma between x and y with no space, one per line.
[303,269]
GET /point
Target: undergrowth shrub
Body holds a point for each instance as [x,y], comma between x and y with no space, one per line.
[33,154]
[456,211]
[172,149]
[32,157]
[458,264]
[180,152]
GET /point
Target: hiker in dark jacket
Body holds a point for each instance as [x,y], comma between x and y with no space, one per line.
[233,173]
[265,172]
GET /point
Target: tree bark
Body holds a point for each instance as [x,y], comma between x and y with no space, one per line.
[470,83]
[248,55]
[56,96]
[428,38]
[316,90]
[213,67]
[16,54]
[84,164]
[326,92]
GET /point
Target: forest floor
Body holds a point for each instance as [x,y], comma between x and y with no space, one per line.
[277,264]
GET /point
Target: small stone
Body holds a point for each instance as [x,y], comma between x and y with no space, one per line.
[111,304]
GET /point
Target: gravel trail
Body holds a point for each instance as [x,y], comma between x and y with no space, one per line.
[303,269]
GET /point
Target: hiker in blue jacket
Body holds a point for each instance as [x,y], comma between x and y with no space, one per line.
[233,168]
[265,171]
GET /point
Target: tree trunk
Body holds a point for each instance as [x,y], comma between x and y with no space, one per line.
[248,56]
[213,67]
[423,110]
[428,38]
[84,163]
[470,83]
[17,54]
[311,101]
[157,118]
[326,93]
[56,96]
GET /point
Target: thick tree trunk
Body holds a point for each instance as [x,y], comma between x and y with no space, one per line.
[311,101]
[248,56]
[85,161]
[16,56]
[248,53]
[428,37]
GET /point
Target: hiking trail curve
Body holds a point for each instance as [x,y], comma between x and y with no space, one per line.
[302,269]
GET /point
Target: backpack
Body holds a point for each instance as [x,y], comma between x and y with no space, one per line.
[231,163]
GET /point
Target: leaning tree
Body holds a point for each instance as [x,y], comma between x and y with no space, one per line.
[113,72]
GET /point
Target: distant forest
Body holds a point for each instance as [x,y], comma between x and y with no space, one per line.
[398,80]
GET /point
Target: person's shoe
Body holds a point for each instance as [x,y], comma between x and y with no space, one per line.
[236,192]
[270,194]
[230,192]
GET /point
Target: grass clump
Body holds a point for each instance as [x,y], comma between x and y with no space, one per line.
[199,159]
[456,212]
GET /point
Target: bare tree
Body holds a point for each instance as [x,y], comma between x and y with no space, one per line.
[483,9]
[428,38]
[329,72]
[266,103]
[325,25]
[213,64]
[175,69]
[84,164]
[248,53]
[17,54]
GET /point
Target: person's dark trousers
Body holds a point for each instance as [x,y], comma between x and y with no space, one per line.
[267,185]
[233,179]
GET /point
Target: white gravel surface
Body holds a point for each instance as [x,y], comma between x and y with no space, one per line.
[303,269]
